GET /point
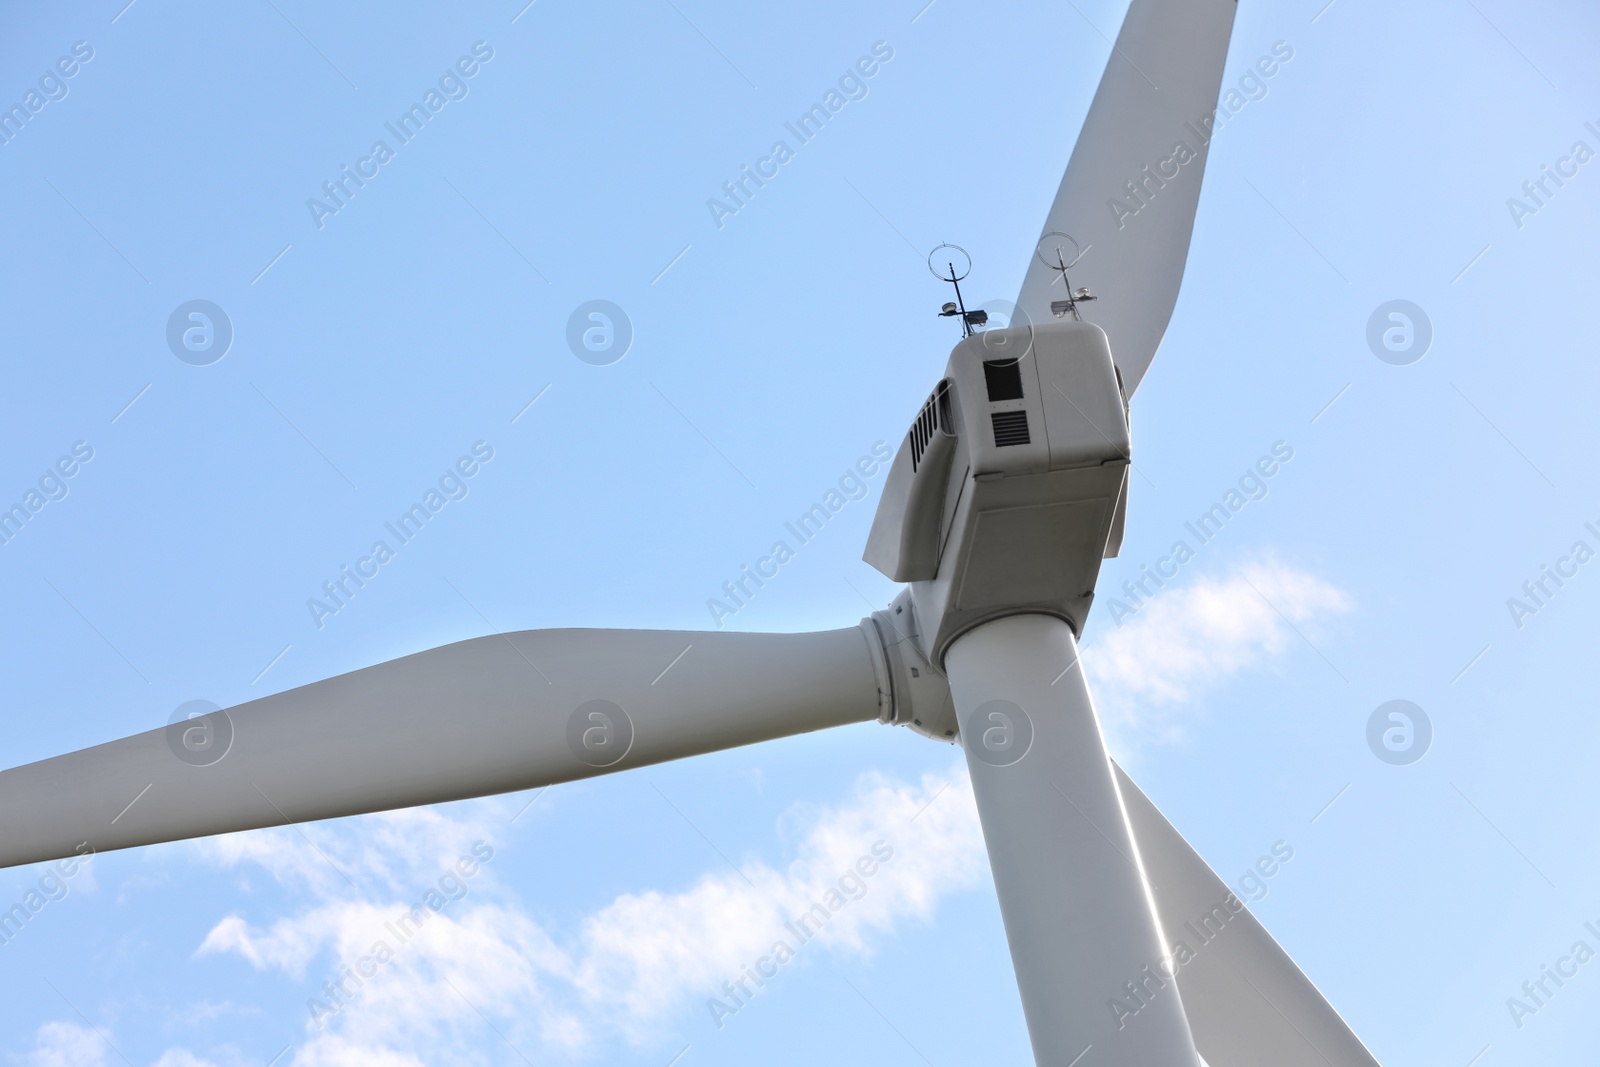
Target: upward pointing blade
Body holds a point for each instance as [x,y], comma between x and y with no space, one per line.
[1129,194]
[490,715]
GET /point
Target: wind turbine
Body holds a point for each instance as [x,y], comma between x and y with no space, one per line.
[1005,495]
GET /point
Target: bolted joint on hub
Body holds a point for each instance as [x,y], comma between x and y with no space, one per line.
[918,693]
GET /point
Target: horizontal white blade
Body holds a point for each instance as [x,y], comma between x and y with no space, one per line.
[1129,194]
[490,715]
[1248,1004]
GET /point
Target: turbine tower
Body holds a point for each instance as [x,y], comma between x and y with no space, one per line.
[1006,493]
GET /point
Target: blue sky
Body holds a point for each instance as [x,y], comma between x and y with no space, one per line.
[768,353]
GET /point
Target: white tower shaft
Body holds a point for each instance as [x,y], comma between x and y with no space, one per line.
[1077,908]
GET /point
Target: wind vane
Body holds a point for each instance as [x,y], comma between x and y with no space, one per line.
[1052,252]
[958,307]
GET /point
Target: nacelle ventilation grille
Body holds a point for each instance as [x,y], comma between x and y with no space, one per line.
[1010,428]
[935,415]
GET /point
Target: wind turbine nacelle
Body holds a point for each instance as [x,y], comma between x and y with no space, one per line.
[1011,485]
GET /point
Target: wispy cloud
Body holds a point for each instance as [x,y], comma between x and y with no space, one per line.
[380,854]
[178,1057]
[1189,640]
[66,1044]
[641,965]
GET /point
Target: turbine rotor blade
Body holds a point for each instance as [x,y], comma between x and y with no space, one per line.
[1248,1004]
[1128,198]
[1077,912]
[489,715]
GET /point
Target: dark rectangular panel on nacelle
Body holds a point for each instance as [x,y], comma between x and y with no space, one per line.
[1003,379]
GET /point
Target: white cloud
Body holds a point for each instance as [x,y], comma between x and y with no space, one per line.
[334,1051]
[1191,638]
[630,968]
[386,851]
[63,1044]
[650,952]
[177,1057]
[67,1045]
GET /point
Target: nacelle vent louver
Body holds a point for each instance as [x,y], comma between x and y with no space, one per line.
[1010,428]
[935,415]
